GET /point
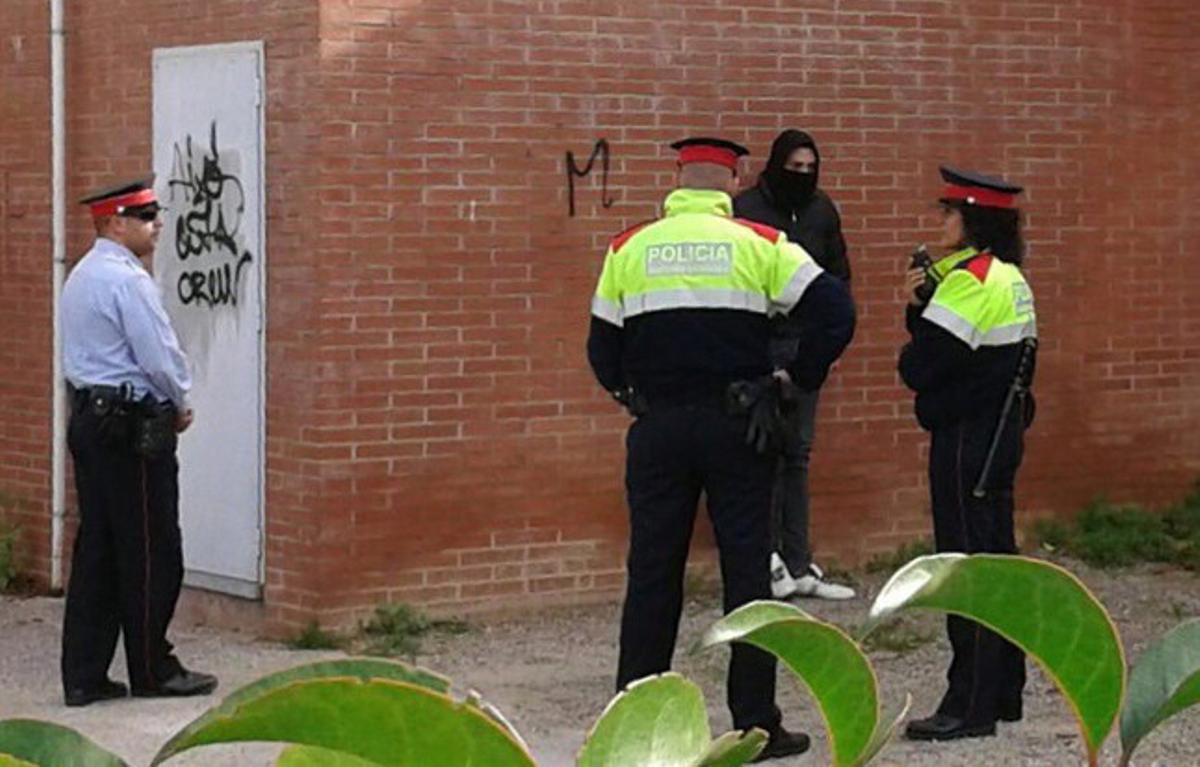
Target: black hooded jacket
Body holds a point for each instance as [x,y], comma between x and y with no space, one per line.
[814,223]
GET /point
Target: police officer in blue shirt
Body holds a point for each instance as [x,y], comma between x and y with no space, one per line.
[129,381]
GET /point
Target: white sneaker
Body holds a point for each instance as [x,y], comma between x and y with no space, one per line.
[783,585]
[813,584]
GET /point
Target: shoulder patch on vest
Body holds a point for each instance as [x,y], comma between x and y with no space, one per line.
[978,266]
[619,241]
[762,230]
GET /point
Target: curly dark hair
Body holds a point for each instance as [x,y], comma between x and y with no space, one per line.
[998,230]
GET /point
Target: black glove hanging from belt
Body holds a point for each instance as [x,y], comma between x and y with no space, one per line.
[761,399]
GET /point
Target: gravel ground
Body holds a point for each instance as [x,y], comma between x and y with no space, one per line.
[551,674]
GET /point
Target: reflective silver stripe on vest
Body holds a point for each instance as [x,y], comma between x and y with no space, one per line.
[963,330]
[607,311]
[795,288]
[695,298]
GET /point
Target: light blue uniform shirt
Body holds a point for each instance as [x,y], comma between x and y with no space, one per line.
[115,329]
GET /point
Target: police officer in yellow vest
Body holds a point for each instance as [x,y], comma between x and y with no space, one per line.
[679,332]
[970,362]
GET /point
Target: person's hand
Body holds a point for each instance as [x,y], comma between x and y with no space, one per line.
[183,419]
[913,279]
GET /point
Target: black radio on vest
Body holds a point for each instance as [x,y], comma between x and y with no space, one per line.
[921,260]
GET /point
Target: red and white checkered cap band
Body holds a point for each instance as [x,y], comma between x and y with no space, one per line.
[978,195]
[115,205]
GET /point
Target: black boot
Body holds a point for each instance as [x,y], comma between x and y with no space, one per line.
[783,743]
[946,727]
[183,684]
[106,690]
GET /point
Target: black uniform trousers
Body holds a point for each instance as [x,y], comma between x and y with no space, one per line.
[987,673]
[127,567]
[674,453]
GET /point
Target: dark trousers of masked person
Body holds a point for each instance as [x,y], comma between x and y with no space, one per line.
[674,453]
[987,673]
[127,567]
[789,498]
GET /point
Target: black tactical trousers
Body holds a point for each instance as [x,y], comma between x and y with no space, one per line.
[987,673]
[674,453]
[127,567]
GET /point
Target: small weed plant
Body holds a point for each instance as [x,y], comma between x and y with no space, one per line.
[900,637]
[890,562]
[396,630]
[1111,535]
[313,637]
[8,555]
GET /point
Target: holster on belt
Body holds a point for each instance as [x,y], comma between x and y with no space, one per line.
[144,426]
[154,432]
[112,407]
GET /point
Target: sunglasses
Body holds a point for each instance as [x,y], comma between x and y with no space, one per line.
[142,214]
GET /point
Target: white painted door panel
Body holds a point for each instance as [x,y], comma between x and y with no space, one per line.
[208,159]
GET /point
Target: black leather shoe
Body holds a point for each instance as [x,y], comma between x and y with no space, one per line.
[945,727]
[1011,713]
[181,685]
[783,743]
[108,690]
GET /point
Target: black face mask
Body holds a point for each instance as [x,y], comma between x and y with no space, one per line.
[794,189]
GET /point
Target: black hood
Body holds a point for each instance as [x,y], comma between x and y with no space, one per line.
[786,187]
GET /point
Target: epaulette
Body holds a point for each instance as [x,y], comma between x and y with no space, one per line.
[623,237]
[762,230]
[978,265]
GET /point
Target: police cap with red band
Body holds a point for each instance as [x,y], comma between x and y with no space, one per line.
[970,188]
[717,151]
[126,197]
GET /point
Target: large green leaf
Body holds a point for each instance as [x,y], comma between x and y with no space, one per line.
[364,669]
[659,721]
[1164,681]
[886,729]
[734,748]
[388,722]
[1038,606]
[830,664]
[354,668]
[27,742]
[311,756]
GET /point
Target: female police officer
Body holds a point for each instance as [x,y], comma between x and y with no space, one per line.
[974,331]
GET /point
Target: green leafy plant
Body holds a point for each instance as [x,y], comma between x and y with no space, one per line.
[381,712]
[829,663]
[1110,535]
[906,552]
[1038,606]
[8,555]
[1165,681]
[898,636]
[360,711]
[396,630]
[24,742]
[662,720]
[313,637]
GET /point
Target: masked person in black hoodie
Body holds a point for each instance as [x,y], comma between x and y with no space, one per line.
[787,197]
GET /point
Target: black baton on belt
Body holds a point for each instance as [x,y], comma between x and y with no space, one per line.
[1019,385]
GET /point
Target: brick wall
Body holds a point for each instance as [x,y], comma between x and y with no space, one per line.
[25,351]
[433,432]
